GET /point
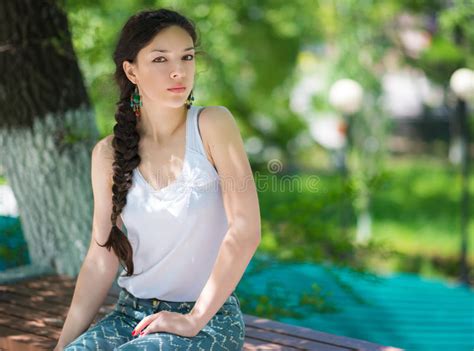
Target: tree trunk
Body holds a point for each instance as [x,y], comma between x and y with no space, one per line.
[47,132]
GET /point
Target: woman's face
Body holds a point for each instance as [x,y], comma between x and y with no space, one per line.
[167,61]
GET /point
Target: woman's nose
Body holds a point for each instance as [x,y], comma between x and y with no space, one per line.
[178,71]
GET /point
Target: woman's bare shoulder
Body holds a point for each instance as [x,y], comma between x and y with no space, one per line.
[103,157]
[103,150]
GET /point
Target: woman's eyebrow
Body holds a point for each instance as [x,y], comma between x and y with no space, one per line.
[161,50]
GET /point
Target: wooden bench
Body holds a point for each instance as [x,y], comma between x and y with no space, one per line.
[33,311]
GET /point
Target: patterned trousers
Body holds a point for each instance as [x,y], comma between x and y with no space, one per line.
[225,331]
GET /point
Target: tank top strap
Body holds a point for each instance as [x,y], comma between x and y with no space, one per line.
[195,141]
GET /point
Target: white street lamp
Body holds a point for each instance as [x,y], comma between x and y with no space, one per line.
[462,83]
[346,96]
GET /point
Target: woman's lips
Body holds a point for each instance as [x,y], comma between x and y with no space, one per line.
[177,90]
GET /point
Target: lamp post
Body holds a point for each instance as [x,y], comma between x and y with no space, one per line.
[462,84]
[346,95]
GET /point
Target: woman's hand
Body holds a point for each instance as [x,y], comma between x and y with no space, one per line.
[170,322]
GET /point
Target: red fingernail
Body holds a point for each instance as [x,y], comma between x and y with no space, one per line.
[134,333]
[141,333]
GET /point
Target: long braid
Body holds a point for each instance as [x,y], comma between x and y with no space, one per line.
[126,159]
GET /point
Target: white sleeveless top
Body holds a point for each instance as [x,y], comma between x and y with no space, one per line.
[175,232]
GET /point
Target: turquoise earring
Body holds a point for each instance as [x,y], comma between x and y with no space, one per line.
[135,102]
[189,100]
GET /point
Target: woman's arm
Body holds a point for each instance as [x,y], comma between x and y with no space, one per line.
[100,266]
[239,193]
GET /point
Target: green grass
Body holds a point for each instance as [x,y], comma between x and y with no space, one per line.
[418,210]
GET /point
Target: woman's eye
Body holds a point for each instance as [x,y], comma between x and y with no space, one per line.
[192,57]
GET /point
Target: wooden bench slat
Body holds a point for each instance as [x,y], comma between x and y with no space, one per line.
[54,294]
[20,312]
[18,340]
[51,319]
[289,340]
[255,344]
[342,342]
[58,309]
[35,326]
[20,300]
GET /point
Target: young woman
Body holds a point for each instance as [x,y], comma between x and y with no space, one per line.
[175,200]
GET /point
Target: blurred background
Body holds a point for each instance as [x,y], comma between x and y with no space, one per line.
[357,117]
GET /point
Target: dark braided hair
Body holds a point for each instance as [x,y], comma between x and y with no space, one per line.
[138,31]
